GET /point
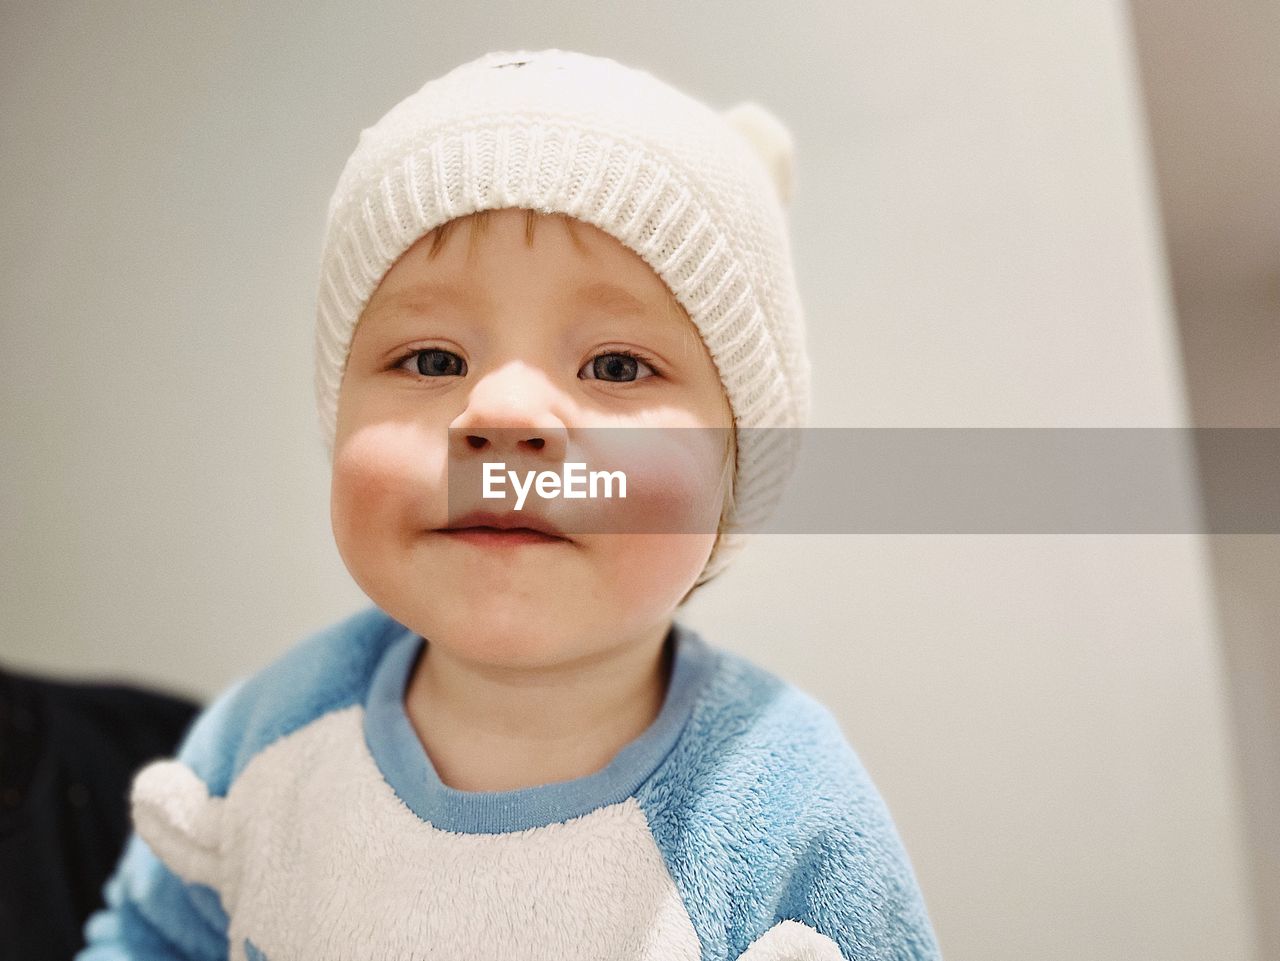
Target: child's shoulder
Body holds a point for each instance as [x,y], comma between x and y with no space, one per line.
[325,671]
[748,714]
[764,762]
[765,793]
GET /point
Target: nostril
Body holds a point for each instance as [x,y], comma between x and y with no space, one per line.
[536,443]
[476,441]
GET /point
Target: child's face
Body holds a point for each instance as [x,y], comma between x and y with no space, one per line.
[517,347]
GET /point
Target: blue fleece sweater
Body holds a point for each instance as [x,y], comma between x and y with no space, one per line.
[303,821]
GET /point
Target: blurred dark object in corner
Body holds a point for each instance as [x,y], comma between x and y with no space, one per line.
[68,752]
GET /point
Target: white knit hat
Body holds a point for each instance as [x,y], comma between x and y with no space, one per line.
[700,195]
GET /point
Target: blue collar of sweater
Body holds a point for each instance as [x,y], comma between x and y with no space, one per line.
[408,769]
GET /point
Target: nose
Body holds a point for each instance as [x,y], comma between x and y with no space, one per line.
[511,410]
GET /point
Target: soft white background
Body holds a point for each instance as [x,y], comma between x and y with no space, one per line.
[977,242]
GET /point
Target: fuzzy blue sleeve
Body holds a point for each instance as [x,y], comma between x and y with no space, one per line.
[854,882]
[778,840]
[150,912]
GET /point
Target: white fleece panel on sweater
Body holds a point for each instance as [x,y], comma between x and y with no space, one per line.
[321,859]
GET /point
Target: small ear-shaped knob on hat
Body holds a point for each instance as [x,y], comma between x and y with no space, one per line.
[772,142]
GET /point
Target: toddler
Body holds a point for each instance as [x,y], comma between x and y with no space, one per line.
[517,752]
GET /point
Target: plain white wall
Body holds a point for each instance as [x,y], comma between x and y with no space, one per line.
[977,245]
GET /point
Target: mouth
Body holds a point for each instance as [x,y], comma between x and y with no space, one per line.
[501,536]
[488,528]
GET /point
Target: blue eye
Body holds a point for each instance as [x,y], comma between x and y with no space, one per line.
[616,366]
[435,362]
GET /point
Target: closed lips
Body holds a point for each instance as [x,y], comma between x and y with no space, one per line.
[505,524]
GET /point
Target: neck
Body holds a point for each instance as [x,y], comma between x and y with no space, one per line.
[494,728]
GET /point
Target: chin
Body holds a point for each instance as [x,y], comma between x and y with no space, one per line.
[502,631]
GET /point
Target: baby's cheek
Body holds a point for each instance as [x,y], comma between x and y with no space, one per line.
[673,486]
[657,539]
[647,574]
[360,483]
[380,480]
